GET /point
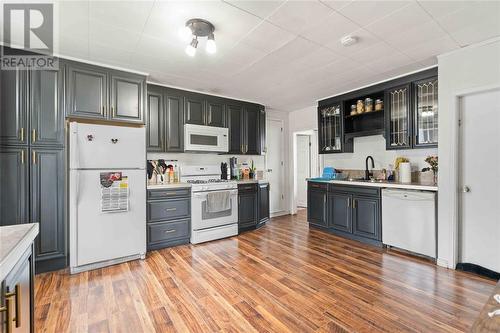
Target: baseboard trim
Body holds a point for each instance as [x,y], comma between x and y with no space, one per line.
[479,270]
[277,214]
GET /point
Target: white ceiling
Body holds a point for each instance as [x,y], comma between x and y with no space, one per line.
[284,54]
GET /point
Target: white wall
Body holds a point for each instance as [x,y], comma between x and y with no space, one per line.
[471,69]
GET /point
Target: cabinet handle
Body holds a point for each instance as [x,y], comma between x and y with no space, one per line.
[112,110]
[169,231]
[169,193]
[17,294]
[8,312]
[21,133]
[353,203]
[33,156]
[33,135]
[22,156]
[348,202]
[103,110]
[171,209]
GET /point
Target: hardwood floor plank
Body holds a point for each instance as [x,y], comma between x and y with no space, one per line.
[284,277]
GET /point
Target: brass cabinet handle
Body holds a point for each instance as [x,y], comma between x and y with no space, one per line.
[17,294]
[21,133]
[348,202]
[113,110]
[170,209]
[169,231]
[22,156]
[8,312]
[169,193]
[33,156]
[33,135]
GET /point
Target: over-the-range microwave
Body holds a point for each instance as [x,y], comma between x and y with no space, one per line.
[206,138]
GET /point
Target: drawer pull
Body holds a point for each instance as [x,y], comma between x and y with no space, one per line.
[169,231]
[169,193]
[171,209]
[8,312]
[17,294]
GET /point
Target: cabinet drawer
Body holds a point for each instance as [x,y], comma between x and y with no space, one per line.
[356,190]
[168,193]
[166,231]
[247,187]
[317,185]
[169,210]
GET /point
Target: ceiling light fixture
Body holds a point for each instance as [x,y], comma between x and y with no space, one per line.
[348,40]
[199,28]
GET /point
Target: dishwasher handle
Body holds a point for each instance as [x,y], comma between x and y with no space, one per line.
[408,195]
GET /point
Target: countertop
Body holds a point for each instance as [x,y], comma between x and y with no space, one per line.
[167,186]
[485,323]
[252,181]
[382,184]
[14,240]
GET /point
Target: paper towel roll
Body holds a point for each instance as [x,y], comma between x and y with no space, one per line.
[405,172]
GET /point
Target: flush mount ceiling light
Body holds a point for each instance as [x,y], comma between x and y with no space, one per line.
[348,40]
[195,28]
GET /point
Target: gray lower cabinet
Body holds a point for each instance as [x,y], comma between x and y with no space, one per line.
[17,294]
[168,217]
[47,191]
[13,106]
[14,170]
[247,206]
[263,200]
[317,204]
[351,211]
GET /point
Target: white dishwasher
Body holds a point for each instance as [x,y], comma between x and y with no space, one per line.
[409,220]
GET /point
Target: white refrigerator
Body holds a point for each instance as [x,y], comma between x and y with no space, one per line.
[107,195]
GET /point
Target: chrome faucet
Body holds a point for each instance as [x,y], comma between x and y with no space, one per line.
[368,174]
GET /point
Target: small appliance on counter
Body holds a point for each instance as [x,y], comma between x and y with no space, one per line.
[233,165]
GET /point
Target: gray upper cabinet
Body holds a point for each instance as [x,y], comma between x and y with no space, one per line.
[174,105]
[14,202]
[398,117]
[252,129]
[366,217]
[235,124]
[340,211]
[127,97]
[155,119]
[47,115]
[47,202]
[426,107]
[103,94]
[87,88]
[13,106]
[216,112]
[195,109]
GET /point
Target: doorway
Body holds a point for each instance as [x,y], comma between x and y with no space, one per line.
[275,165]
[303,168]
[479,180]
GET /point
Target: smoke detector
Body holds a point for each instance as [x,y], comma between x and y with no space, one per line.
[348,40]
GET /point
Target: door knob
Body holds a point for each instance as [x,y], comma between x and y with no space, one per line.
[465,189]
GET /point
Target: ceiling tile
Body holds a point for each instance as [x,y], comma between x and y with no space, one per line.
[438,9]
[432,48]
[336,4]
[129,15]
[384,64]
[297,16]
[267,37]
[400,21]
[375,51]
[102,53]
[365,12]
[415,36]
[259,8]
[113,36]
[331,28]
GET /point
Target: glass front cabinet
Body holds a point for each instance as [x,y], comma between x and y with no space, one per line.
[412,115]
[331,136]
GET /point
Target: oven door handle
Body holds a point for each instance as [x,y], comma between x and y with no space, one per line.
[204,194]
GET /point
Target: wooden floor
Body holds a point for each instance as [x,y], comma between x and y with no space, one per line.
[283,277]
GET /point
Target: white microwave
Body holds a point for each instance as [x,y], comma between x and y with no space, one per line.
[206,138]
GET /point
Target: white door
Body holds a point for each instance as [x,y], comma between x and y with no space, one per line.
[303,160]
[97,235]
[274,163]
[479,241]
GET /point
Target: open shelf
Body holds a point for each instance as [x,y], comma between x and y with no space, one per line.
[357,134]
[365,114]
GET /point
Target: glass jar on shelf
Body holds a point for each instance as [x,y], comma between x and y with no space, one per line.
[379,104]
[360,106]
[368,104]
[353,110]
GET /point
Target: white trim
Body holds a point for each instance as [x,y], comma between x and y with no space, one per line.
[282,156]
[454,172]
[280,213]
[375,83]
[471,46]
[201,92]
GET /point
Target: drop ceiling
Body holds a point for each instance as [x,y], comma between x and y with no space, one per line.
[284,54]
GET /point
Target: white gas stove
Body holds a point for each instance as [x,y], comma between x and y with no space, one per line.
[209,220]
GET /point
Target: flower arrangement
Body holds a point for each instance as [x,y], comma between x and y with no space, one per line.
[433,162]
